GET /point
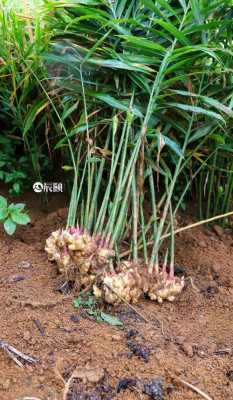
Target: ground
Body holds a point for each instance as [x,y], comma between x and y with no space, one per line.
[191,339]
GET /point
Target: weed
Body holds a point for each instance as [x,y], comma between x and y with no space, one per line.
[12,215]
[91,306]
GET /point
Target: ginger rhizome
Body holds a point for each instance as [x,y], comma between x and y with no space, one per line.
[87,260]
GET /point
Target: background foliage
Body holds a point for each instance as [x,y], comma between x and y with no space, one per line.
[117,92]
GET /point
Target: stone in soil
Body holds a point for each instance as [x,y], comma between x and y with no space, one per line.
[187,349]
[24,265]
[218,230]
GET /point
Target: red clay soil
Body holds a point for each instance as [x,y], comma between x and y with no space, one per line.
[191,339]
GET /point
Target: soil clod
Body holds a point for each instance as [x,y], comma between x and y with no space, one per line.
[126,383]
[180,270]
[210,291]
[132,333]
[140,350]
[155,389]
[229,375]
[75,318]
[16,278]
[218,230]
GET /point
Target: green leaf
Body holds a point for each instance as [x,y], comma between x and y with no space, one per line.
[3,213]
[110,319]
[70,110]
[31,116]
[217,138]
[79,128]
[201,132]
[173,145]
[19,206]
[117,64]
[183,4]
[173,30]
[89,302]
[150,4]
[20,218]
[165,4]
[195,5]
[197,110]
[120,105]
[77,302]
[3,202]
[208,100]
[143,43]
[9,226]
[16,188]
[92,312]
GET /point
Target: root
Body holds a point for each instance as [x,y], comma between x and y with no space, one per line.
[193,388]
[87,261]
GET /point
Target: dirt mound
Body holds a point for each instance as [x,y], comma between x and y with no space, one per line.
[191,338]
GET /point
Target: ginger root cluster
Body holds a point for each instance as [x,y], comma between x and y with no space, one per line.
[86,260]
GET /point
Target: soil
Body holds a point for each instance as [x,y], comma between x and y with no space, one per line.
[191,339]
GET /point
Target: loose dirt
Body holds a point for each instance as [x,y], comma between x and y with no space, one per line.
[191,338]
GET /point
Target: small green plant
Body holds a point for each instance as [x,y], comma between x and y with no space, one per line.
[90,305]
[12,215]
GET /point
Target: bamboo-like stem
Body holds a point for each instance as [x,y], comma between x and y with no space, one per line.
[172,251]
[210,188]
[135,219]
[143,234]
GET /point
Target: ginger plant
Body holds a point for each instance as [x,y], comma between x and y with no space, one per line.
[88,253]
[123,194]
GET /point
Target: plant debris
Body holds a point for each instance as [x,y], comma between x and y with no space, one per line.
[19,358]
[91,308]
[39,326]
[16,278]
[154,388]
[139,350]
[65,288]
[87,383]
